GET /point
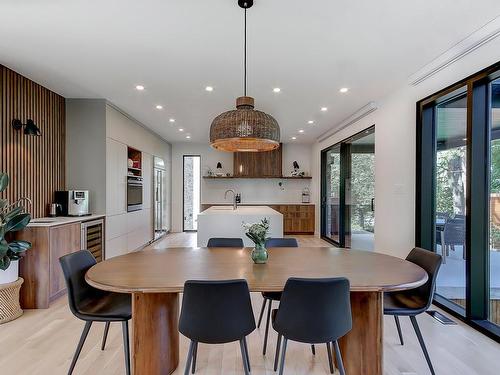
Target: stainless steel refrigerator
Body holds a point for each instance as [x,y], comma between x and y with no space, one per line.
[161,222]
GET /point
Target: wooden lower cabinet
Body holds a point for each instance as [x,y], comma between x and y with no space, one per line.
[297,218]
[40,269]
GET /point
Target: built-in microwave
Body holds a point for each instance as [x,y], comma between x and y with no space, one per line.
[134,193]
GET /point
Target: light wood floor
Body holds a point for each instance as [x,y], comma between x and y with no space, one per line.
[43,342]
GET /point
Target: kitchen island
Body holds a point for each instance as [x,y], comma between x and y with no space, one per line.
[224,221]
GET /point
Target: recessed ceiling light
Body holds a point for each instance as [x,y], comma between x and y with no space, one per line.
[301,131]
[310,122]
[171,120]
[159,107]
[188,136]
[209,88]
[139,87]
[276,89]
[294,138]
[324,109]
[343,90]
[181,130]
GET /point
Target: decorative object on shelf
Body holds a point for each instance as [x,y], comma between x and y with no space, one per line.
[306,195]
[29,128]
[13,217]
[130,163]
[244,129]
[228,174]
[281,185]
[258,232]
[219,172]
[296,170]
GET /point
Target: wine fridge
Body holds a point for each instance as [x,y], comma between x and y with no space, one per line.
[93,238]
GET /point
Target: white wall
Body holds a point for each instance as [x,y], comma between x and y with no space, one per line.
[86,149]
[265,191]
[395,132]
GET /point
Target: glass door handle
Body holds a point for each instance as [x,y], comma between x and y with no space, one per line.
[372,204]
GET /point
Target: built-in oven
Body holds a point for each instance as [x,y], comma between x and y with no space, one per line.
[134,193]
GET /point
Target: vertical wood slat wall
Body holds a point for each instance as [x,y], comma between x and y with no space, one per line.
[36,165]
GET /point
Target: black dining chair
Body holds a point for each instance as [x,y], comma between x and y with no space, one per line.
[313,311]
[207,317]
[225,242]
[93,305]
[269,297]
[415,301]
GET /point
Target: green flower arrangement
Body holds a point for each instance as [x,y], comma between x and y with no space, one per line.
[258,233]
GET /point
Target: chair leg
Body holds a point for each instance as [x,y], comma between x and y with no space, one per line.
[262,312]
[313,349]
[105,336]
[422,343]
[277,354]
[266,334]
[398,326]
[195,354]
[126,346]
[79,347]
[246,352]
[283,353]
[340,363]
[244,357]
[189,358]
[330,359]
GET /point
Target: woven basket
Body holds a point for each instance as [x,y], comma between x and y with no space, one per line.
[9,301]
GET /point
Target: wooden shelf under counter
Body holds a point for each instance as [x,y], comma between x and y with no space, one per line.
[298,218]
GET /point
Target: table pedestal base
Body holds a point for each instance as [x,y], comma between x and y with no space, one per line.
[155,333]
[362,348]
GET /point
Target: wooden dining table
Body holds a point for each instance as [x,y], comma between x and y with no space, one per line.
[155,277]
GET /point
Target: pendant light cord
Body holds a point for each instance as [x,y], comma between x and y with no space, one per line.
[245,55]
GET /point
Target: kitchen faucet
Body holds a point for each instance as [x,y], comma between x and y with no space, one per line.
[236,198]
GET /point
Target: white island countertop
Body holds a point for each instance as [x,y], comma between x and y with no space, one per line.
[223,221]
[241,210]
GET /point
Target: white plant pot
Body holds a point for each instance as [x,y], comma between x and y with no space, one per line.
[10,274]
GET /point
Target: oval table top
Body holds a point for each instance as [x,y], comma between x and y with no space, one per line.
[166,270]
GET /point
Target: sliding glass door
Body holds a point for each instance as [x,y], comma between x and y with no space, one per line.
[450,176]
[458,195]
[331,206]
[348,192]
[494,209]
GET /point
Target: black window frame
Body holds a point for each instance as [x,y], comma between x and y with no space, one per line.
[345,172]
[477,200]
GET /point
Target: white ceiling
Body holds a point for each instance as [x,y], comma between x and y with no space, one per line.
[310,49]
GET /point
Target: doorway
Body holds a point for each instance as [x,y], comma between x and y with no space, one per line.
[348,192]
[191,192]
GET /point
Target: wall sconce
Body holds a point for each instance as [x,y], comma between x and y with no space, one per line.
[29,128]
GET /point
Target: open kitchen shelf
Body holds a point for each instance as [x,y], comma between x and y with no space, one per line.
[276,178]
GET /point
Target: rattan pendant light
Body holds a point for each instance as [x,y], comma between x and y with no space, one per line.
[244,129]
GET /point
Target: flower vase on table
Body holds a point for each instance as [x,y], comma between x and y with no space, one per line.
[257,232]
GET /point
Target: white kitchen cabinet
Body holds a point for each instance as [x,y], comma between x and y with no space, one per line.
[116,177]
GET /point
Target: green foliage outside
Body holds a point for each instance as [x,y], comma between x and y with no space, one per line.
[449,185]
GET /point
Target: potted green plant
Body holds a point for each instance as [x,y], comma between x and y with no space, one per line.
[13,217]
[257,232]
